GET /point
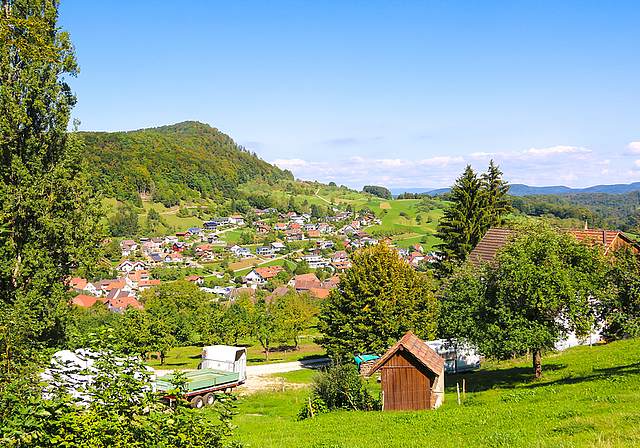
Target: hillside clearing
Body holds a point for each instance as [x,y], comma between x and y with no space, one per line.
[589,397]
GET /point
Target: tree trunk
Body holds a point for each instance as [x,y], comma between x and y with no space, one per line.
[537,364]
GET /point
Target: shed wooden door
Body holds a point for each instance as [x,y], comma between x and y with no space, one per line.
[405,388]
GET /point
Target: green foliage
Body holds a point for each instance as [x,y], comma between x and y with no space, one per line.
[380,192]
[543,285]
[119,410]
[124,223]
[340,386]
[621,310]
[558,207]
[477,205]
[184,161]
[49,221]
[377,301]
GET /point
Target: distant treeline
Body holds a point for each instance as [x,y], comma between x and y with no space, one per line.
[621,211]
[380,192]
[172,163]
[553,205]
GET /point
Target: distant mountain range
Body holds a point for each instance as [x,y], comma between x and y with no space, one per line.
[521,189]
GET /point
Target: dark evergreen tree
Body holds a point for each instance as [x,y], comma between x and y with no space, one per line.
[477,205]
[496,189]
[465,220]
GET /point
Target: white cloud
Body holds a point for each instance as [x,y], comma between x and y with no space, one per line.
[556,150]
[572,166]
[633,148]
[289,163]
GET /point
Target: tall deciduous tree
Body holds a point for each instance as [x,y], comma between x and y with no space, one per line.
[377,301]
[50,224]
[543,285]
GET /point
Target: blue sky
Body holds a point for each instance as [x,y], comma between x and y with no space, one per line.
[394,93]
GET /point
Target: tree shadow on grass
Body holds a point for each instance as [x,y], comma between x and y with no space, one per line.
[609,373]
[505,378]
[482,380]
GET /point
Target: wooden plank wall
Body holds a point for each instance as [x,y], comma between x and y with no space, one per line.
[406,386]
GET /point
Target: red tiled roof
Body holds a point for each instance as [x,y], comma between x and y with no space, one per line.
[86,301]
[306,277]
[496,238]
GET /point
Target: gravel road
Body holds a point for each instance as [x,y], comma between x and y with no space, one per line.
[258,375]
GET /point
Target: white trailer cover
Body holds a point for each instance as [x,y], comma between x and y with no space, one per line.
[227,358]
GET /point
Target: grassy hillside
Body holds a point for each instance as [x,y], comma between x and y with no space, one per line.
[589,397]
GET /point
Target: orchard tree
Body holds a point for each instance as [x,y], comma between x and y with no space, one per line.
[377,301]
[543,285]
[621,310]
[49,221]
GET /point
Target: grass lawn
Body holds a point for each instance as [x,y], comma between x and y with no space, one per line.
[189,357]
[589,397]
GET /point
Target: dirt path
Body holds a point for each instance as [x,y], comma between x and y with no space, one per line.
[258,376]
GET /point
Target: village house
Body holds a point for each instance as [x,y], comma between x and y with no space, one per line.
[128,265]
[170,240]
[328,244]
[193,231]
[86,301]
[175,257]
[315,261]
[146,284]
[262,275]
[265,251]
[197,279]
[237,220]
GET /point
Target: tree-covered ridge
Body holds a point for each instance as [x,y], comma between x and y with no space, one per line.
[600,209]
[170,163]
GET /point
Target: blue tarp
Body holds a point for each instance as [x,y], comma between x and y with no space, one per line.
[359,359]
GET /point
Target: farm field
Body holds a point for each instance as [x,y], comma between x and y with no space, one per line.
[589,397]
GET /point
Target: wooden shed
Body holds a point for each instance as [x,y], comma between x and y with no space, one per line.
[412,376]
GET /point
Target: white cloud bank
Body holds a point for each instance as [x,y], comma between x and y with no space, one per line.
[572,166]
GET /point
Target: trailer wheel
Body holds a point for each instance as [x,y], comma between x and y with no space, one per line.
[197,402]
[209,399]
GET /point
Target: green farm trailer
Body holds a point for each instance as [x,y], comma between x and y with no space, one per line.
[222,368]
[201,385]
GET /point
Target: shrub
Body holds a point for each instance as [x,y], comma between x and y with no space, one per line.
[339,387]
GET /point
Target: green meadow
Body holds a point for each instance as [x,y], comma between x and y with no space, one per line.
[589,397]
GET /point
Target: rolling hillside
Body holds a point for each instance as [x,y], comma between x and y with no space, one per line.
[172,163]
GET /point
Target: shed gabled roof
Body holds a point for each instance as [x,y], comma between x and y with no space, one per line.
[420,351]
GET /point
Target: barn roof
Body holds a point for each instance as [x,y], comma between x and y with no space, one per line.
[497,237]
[494,240]
[424,354]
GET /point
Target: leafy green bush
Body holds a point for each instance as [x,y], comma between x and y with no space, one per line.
[117,409]
[339,387]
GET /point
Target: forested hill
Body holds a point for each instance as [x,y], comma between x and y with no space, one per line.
[171,163]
